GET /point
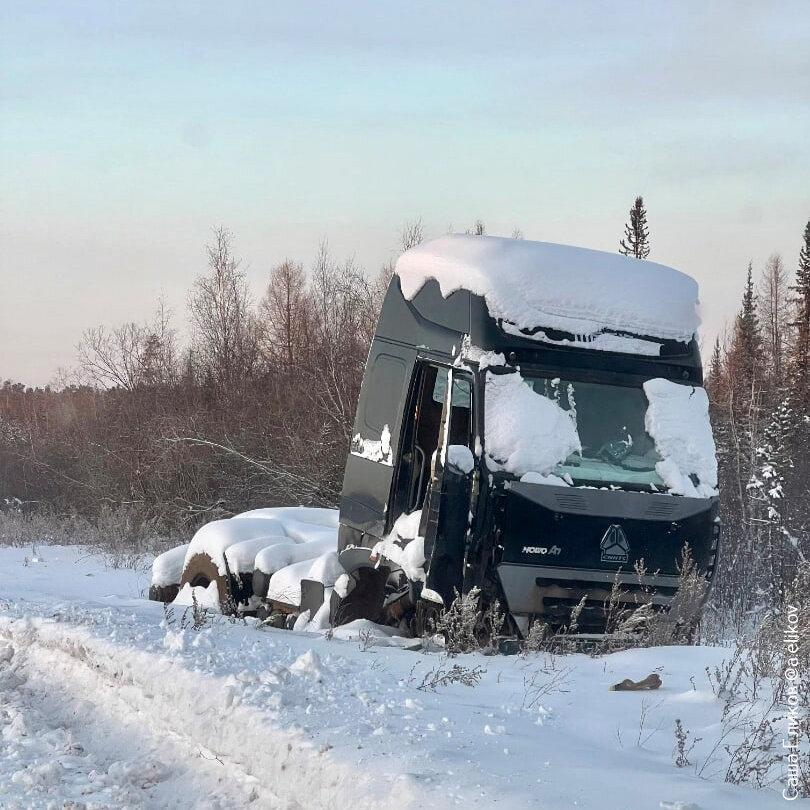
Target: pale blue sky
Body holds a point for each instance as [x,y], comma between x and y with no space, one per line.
[128,130]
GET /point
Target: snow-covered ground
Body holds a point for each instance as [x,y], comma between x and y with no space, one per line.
[103,703]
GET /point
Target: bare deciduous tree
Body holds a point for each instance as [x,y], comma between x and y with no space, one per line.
[226,335]
[131,355]
[285,314]
[774,313]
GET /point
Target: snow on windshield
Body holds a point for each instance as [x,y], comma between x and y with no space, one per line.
[678,420]
[575,290]
[552,431]
[523,431]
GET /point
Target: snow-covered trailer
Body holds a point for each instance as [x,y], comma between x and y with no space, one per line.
[532,423]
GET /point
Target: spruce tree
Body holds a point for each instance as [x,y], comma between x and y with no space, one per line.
[800,354]
[747,341]
[636,240]
[715,373]
[716,363]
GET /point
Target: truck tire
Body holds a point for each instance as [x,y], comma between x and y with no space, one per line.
[201,571]
[365,600]
[163,593]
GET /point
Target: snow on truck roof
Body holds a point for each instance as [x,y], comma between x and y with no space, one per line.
[571,289]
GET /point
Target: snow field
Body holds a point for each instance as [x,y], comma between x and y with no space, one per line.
[233,716]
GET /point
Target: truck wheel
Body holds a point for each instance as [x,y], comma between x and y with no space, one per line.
[365,600]
[163,593]
[201,571]
[425,616]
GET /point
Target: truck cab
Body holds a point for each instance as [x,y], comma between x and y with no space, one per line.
[531,417]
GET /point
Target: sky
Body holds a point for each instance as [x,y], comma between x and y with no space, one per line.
[129,130]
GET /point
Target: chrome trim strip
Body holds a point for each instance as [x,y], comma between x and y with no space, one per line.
[591,575]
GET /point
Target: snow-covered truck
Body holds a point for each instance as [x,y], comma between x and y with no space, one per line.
[531,424]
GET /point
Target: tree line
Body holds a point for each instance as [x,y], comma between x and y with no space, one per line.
[257,409]
[758,381]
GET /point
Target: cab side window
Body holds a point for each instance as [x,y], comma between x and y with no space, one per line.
[384,391]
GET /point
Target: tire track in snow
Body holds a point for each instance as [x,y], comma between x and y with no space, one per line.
[202,748]
[71,737]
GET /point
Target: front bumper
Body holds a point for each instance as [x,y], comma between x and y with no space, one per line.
[550,593]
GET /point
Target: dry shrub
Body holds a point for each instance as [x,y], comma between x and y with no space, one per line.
[125,534]
[468,625]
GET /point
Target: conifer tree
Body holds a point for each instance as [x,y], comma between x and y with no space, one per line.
[746,340]
[716,363]
[636,240]
[716,373]
[800,354]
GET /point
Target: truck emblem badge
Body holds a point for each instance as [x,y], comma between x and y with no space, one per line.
[615,545]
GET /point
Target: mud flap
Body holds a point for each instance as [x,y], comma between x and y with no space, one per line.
[312,593]
[261,582]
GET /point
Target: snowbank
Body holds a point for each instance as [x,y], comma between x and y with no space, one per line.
[678,421]
[524,431]
[167,568]
[207,597]
[576,290]
[106,704]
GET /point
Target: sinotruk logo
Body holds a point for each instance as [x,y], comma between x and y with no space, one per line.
[615,545]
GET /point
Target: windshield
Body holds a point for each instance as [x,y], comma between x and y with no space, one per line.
[616,449]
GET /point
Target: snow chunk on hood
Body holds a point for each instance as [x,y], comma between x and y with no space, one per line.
[524,431]
[546,480]
[678,421]
[538,284]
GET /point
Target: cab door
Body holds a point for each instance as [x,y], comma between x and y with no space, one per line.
[447,513]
